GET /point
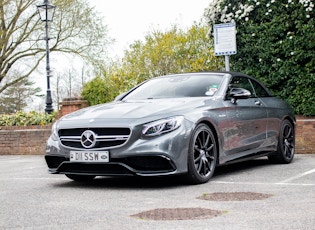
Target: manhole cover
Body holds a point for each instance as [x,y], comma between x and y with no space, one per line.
[234,196]
[178,214]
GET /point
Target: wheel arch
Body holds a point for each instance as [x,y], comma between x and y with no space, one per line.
[291,119]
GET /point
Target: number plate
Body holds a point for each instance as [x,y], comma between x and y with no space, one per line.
[89,156]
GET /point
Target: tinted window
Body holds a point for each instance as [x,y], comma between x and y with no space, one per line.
[259,90]
[242,82]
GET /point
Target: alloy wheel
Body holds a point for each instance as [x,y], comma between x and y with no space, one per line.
[203,155]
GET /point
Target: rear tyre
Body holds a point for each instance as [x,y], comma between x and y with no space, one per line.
[202,155]
[80,178]
[286,144]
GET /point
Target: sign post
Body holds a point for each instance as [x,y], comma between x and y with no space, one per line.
[225,41]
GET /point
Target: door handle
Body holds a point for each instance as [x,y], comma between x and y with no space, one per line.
[257,103]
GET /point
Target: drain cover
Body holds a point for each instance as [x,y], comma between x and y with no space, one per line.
[234,196]
[178,214]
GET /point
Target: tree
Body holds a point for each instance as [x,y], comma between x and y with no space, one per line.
[16,98]
[276,44]
[76,30]
[174,51]
[68,85]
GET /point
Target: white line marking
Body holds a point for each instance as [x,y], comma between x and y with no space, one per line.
[284,182]
[297,176]
[261,183]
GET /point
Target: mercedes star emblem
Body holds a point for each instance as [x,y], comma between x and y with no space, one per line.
[88,139]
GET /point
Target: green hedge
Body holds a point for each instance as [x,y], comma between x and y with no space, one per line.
[276,44]
[26,119]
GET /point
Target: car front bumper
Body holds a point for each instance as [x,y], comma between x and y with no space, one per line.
[154,156]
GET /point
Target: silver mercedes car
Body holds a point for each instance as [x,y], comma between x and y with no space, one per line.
[176,124]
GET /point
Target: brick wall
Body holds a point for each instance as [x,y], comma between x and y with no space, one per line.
[32,140]
[24,140]
[305,135]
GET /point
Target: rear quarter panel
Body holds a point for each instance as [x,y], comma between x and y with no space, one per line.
[277,111]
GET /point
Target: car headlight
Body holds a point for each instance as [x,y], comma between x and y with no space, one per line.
[54,132]
[162,126]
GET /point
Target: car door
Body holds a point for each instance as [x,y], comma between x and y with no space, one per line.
[247,121]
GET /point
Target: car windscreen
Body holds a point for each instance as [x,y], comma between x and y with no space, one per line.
[194,85]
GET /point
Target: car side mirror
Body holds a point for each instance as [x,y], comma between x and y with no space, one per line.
[239,93]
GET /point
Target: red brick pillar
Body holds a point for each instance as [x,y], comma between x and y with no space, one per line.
[305,133]
[72,104]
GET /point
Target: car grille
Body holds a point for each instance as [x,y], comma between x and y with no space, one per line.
[104,137]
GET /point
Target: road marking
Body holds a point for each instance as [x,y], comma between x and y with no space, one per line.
[284,182]
[261,183]
[297,176]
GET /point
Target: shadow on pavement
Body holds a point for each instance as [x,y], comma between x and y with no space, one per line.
[127,183]
[241,166]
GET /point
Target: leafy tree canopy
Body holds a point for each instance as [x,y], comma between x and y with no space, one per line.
[276,44]
[161,53]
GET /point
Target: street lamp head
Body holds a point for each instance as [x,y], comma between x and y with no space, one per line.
[46,11]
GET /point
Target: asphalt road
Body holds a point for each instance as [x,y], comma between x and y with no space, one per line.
[30,198]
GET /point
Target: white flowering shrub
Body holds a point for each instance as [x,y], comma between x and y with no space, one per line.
[275,43]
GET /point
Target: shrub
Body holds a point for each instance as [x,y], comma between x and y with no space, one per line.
[26,119]
[275,43]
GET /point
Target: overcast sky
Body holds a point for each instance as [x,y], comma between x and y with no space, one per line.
[131,20]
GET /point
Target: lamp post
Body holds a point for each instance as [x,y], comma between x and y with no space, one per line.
[46,12]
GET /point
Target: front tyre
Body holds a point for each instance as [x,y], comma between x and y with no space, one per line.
[286,144]
[80,178]
[202,155]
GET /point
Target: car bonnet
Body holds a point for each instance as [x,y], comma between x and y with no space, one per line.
[131,111]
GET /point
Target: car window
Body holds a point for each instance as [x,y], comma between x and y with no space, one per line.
[177,86]
[242,82]
[259,90]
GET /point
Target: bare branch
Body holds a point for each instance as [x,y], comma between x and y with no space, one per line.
[76,28]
